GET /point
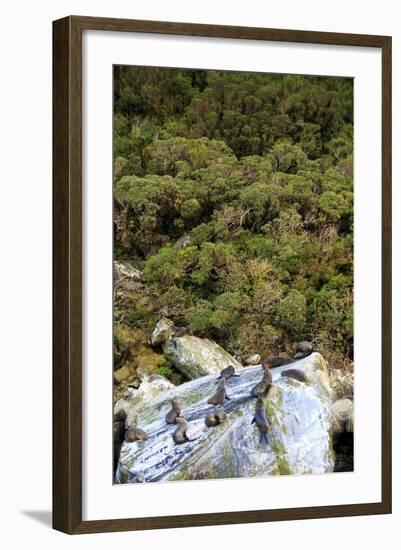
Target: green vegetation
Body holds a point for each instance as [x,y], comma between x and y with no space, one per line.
[234,195]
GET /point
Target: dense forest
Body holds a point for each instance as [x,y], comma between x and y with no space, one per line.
[233,194]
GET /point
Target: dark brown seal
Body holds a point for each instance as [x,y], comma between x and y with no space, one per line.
[215,418]
[263,387]
[220,395]
[118,438]
[175,411]
[276,361]
[261,420]
[135,434]
[227,373]
[303,349]
[296,374]
[120,416]
[180,434]
[181,331]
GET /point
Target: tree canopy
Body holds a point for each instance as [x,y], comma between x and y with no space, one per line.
[233,191]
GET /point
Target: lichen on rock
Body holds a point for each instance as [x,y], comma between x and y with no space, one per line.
[196,357]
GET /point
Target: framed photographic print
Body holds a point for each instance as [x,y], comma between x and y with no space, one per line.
[222,275]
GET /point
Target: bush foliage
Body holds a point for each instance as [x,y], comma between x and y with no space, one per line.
[234,194]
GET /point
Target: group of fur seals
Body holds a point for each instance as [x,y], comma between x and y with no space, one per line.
[263,387]
[215,418]
[302,350]
[174,417]
[261,420]
[174,412]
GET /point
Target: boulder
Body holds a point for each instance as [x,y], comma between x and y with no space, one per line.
[152,386]
[196,357]
[299,441]
[125,270]
[342,415]
[349,424]
[163,330]
[254,359]
[121,374]
[342,383]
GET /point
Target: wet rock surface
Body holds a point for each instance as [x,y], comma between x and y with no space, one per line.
[299,441]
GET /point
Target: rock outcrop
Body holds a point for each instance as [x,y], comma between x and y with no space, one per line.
[299,441]
[151,388]
[343,416]
[192,356]
[342,383]
[163,330]
[196,357]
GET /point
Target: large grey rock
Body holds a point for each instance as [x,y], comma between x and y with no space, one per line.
[343,416]
[124,270]
[254,359]
[342,383]
[196,357]
[151,387]
[300,440]
[163,330]
[349,425]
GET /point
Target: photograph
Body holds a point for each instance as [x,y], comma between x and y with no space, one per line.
[233,274]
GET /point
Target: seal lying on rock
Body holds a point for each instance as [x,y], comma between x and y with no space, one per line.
[296,374]
[220,395]
[180,434]
[263,387]
[303,349]
[276,361]
[227,373]
[181,331]
[215,418]
[174,412]
[261,420]
[135,434]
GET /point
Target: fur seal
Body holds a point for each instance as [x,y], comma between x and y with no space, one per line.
[118,438]
[181,331]
[180,434]
[220,395]
[227,373]
[135,434]
[215,418]
[296,374]
[276,361]
[261,420]
[174,412]
[303,349]
[120,416]
[263,387]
